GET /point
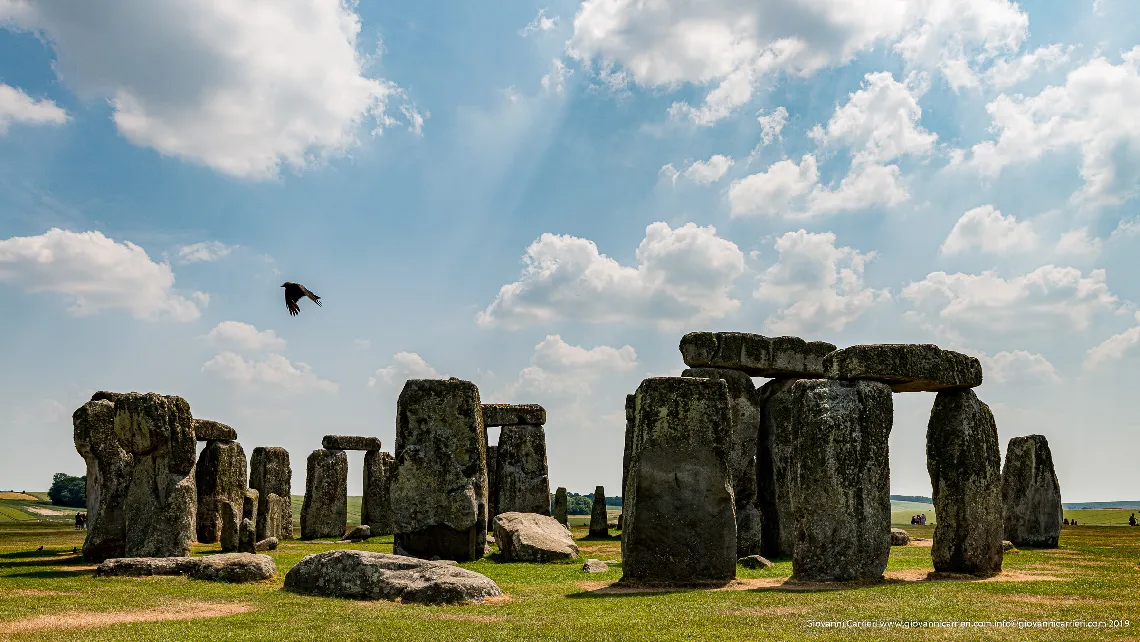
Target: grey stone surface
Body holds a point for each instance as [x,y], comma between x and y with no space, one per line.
[1007,546]
[964,463]
[560,505]
[219,475]
[503,414]
[277,508]
[899,537]
[599,517]
[109,469]
[225,567]
[270,473]
[595,566]
[906,367]
[754,354]
[247,543]
[249,502]
[630,411]
[530,537]
[365,575]
[325,510]
[842,489]
[267,544]
[358,534]
[521,475]
[754,562]
[208,430]
[680,520]
[376,504]
[439,483]
[343,442]
[749,531]
[776,458]
[230,520]
[492,482]
[1031,493]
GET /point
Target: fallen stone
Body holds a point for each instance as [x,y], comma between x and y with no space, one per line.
[964,463]
[145,566]
[220,475]
[680,522]
[109,469]
[899,537]
[753,562]
[595,566]
[270,473]
[529,537]
[439,482]
[599,521]
[341,442]
[231,526]
[905,367]
[268,544]
[247,543]
[1031,494]
[207,430]
[1007,546]
[224,567]
[502,414]
[754,354]
[776,460]
[358,534]
[560,506]
[364,575]
[521,476]
[376,504]
[325,510]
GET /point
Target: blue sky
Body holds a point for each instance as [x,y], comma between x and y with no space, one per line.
[542,198]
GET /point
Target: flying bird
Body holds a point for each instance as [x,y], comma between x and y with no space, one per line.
[293,293]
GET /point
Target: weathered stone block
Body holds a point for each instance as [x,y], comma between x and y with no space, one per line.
[599,517]
[680,519]
[754,354]
[630,410]
[776,457]
[503,414]
[964,463]
[906,367]
[522,477]
[246,541]
[376,505]
[1031,493]
[249,501]
[270,473]
[843,480]
[325,511]
[528,537]
[219,475]
[492,482]
[275,521]
[230,519]
[342,442]
[560,506]
[439,483]
[109,469]
[899,537]
[364,575]
[207,430]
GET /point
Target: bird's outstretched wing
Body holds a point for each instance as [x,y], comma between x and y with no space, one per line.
[316,299]
[293,307]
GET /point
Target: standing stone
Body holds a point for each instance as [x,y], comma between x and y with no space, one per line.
[680,521]
[249,501]
[439,483]
[522,477]
[230,518]
[220,475]
[276,509]
[109,469]
[270,473]
[492,482]
[776,457]
[246,541]
[599,518]
[1031,494]
[744,415]
[376,505]
[325,511]
[560,506]
[630,409]
[964,462]
[843,479]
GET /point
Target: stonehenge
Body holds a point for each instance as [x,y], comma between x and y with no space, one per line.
[521,477]
[325,511]
[560,506]
[1031,494]
[492,484]
[220,476]
[376,504]
[599,517]
[270,474]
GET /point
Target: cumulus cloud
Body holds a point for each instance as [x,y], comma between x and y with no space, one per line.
[879,122]
[988,230]
[771,125]
[701,172]
[774,190]
[541,23]
[1113,348]
[244,88]
[559,370]
[273,372]
[16,107]
[204,252]
[792,191]
[243,336]
[816,285]
[1016,366]
[1008,72]
[96,273]
[406,365]
[682,275]
[1078,242]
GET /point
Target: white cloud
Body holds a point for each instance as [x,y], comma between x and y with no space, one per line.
[1016,366]
[865,186]
[272,372]
[1006,73]
[559,370]
[555,81]
[1077,242]
[19,108]
[710,171]
[988,230]
[204,251]
[96,272]
[407,365]
[771,125]
[1092,112]
[817,285]
[1113,348]
[879,122]
[682,275]
[540,23]
[243,336]
[243,88]
[773,191]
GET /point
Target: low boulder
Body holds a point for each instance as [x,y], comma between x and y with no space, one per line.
[358,534]
[595,566]
[365,575]
[1007,546]
[899,537]
[235,568]
[267,544]
[529,537]
[754,562]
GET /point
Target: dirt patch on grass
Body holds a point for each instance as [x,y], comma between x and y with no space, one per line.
[925,575]
[91,619]
[51,512]
[498,599]
[767,611]
[36,593]
[922,543]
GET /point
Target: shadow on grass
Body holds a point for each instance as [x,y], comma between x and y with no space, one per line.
[599,538]
[54,574]
[40,560]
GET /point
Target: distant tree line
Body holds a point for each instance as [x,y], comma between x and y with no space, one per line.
[911,498]
[583,504]
[68,491]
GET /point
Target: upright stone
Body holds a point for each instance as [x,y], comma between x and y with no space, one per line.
[270,473]
[776,458]
[964,462]
[843,480]
[492,482]
[680,521]
[630,409]
[220,475]
[249,501]
[1031,493]
[439,483]
[376,505]
[109,469]
[744,422]
[275,525]
[230,518]
[560,506]
[246,543]
[521,470]
[599,517]
[325,511]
